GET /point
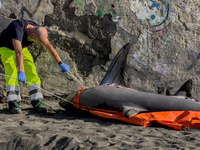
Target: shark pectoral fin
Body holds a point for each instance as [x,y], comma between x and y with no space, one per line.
[131,111]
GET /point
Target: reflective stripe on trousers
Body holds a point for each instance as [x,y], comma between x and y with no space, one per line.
[35,92]
[8,58]
[13,93]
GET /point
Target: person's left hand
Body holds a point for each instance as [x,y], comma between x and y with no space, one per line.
[22,77]
[64,68]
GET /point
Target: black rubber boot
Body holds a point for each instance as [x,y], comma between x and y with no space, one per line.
[39,106]
[14,107]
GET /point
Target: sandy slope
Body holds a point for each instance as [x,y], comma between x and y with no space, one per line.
[59,129]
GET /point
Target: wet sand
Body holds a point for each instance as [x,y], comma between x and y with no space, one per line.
[59,129]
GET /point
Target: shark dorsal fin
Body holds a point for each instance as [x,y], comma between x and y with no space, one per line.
[114,74]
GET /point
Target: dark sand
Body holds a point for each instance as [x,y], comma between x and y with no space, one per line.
[59,129]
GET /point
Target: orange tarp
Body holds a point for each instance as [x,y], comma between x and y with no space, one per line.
[173,119]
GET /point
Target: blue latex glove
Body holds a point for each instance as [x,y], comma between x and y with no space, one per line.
[22,77]
[64,68]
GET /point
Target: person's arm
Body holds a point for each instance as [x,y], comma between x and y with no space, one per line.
[50,49]
[19,60]
[19,54]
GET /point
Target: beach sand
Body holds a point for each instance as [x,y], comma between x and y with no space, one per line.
[60,129]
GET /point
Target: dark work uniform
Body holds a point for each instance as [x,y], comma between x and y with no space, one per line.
[16,30]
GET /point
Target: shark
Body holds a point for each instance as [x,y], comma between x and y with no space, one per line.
[111,96]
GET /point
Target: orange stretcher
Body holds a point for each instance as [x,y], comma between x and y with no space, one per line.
[173,119]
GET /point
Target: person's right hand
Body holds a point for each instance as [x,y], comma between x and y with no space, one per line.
[22,77]
[64,68]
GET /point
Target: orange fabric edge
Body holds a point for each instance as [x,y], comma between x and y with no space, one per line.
[77,96]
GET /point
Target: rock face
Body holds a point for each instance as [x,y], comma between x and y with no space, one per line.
[163,35]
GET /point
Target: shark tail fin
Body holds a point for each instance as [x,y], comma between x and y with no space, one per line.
[185,89]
